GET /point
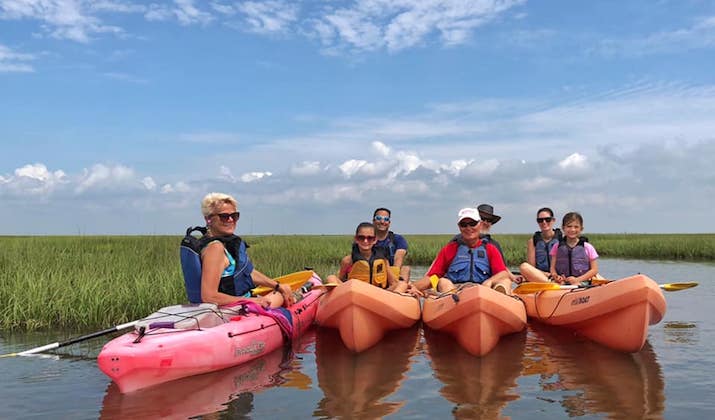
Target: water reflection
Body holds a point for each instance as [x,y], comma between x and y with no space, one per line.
[356,385]
[681,332]
[227,391]
[586,378]
[479,386]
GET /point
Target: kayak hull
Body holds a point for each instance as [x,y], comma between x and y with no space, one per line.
[616,314]
[476,316]
[216,340]
[364,313]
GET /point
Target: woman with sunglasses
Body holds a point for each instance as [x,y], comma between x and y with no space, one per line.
[227,274]
[468,259]
[539,246]
[368,263]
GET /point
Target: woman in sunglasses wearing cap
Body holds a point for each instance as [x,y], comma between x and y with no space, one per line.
[468,259]
[227,274]
[539,246]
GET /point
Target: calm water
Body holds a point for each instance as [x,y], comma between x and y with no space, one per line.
[541,373]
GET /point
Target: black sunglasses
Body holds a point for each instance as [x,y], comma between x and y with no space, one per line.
[544,219]
[467,223]
[226,216]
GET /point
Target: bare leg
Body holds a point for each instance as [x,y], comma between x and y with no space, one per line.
[533,274]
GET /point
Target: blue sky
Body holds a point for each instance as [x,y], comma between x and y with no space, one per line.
[116,117]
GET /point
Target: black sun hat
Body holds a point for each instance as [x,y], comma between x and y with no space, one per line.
[486,212]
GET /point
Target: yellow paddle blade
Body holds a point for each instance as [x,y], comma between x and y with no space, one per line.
[326,286]
[674,287]
[295,280]
[533,287]
[434,280]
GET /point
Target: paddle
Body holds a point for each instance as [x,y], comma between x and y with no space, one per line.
[526,288]
[326,286]
[71,341]
[434,280]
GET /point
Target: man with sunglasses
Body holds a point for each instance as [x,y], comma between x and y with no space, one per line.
[395,245]
[468,259]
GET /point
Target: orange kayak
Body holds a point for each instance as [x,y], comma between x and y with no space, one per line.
[616,314]
[364,313]
[476,316]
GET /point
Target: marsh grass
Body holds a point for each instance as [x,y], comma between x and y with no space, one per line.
[81,283]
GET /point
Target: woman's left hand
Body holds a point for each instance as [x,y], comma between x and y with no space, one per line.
[287,293]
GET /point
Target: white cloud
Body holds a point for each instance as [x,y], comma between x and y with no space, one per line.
[699,35]
[124,77]
[14,62]
[306,168]
[226,174]
[380,148]
[254,176]
[104,177]
[574,161]
[187,13]
[268,16]
[64,19]
[149,183]
[368,25]
[351,167]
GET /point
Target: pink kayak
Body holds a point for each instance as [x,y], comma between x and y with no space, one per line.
[476,316]
[185,340]
[616,314]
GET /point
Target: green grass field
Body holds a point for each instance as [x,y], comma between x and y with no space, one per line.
[96,282]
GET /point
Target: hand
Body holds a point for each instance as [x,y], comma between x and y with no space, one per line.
[411,289]
[263,301]
[572,280]
[287,292]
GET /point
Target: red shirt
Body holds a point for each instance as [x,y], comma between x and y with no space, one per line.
[444,258]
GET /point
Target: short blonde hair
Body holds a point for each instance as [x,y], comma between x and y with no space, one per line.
[213,200]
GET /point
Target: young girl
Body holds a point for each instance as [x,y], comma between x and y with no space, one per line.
[573,260]
[368,263]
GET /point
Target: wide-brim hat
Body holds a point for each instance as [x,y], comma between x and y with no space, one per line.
[486,212]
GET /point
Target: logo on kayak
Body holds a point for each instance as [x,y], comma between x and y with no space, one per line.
[254,348]
[580,300]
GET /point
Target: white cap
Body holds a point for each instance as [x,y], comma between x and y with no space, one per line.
[468,213]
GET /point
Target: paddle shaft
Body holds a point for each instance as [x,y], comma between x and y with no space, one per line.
[73,340]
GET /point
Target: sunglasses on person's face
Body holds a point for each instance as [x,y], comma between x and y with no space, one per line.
[382,218]
[226,216]
[544,219]
[465,223]
[363,238]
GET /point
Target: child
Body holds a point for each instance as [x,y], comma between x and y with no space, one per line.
[573,259]
[368,263]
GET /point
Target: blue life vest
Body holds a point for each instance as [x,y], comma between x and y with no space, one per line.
[389,247]
[572,261]
[470,264]
[237,283]
[542,248]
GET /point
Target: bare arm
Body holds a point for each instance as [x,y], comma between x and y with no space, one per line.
[530,252]
[213,262]
[345,264]
[399,257]
[285,291]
